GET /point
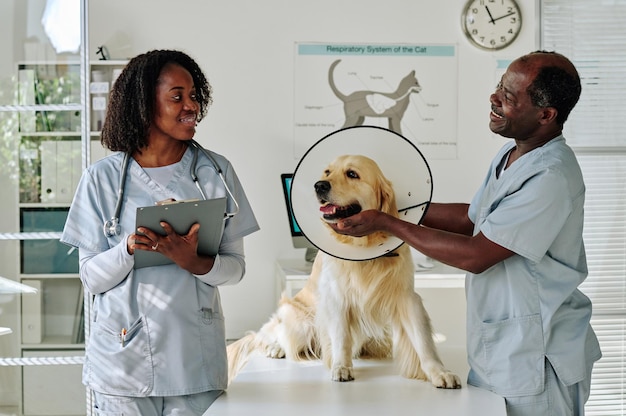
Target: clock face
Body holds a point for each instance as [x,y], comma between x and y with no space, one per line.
[491,24]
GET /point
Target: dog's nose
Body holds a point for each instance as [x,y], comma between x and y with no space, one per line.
[322,187]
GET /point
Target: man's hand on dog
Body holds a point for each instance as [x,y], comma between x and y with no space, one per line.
[361,224]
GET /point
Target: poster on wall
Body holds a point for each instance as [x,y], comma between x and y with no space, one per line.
[410,89]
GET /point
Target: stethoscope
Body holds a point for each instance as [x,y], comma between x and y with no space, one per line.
[112,227]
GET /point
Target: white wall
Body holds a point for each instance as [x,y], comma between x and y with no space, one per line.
[246,48]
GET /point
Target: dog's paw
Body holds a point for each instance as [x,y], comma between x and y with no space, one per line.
[274,350]
[341,373]
[446,380]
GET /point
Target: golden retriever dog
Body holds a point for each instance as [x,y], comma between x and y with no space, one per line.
[351,309]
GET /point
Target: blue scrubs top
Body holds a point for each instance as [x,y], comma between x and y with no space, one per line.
[175,336]
[528,307]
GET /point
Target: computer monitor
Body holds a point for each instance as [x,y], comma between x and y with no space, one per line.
[297,237]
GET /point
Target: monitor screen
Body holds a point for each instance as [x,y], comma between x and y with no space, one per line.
[297,237]
[293,225]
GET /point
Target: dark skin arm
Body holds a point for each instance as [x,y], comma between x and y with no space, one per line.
[449,217]
[444,235]
[182,249]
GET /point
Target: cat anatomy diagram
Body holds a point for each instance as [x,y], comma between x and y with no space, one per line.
[361,104]
[411,94]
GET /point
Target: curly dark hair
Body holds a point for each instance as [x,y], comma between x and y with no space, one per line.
[133,97]
[556,85]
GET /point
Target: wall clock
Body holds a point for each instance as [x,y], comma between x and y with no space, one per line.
[491,24]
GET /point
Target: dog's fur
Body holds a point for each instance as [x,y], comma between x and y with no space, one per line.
[352,308]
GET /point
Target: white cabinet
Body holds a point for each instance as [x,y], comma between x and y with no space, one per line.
[53,389]
[292,274]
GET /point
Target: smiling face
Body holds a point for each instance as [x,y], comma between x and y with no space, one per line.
[351,184]
[176,107]
[512,113]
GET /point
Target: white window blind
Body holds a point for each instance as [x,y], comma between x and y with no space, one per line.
[592,33]
[605,241]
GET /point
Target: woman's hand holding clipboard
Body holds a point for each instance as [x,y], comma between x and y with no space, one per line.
[180,215]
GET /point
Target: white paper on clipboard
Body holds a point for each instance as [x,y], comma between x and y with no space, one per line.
[181,216]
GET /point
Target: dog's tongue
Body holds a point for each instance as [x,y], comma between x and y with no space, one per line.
[329,209]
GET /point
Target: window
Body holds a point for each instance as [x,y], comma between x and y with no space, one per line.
[591,34]
[61,21]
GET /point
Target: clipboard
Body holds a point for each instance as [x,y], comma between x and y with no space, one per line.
[210,214]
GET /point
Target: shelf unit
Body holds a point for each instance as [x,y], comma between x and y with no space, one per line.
[50,322]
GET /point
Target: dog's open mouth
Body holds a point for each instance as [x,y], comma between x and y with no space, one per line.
[334,212]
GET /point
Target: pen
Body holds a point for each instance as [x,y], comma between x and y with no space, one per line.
[123,336]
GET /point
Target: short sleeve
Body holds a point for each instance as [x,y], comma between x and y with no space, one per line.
[528,220]
[83,213]
[244,222]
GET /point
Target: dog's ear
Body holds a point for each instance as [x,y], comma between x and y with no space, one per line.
[387,197]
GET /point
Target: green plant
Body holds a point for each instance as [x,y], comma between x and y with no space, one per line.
[61,89]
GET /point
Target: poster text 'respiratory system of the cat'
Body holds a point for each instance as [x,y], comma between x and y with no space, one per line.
[408,88]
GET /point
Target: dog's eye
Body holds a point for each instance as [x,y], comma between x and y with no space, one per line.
[352,174]
[327,172]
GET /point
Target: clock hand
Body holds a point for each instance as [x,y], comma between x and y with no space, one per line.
[490,16]
[501,17]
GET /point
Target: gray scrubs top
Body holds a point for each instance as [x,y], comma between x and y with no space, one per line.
[528,307]
[175,337]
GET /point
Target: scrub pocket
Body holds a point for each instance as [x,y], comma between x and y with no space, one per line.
[213,347]
[515,356]
[117,364]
